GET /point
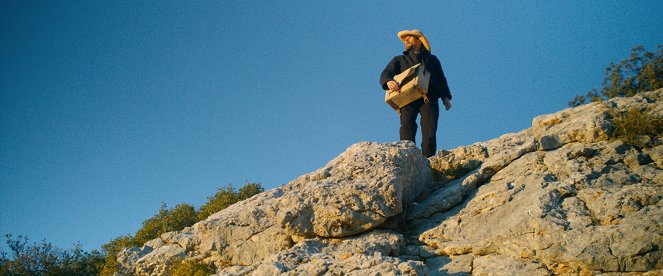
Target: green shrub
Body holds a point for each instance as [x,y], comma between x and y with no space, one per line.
[167,220]
[249,190]
[192,268]
[642,72]
[225,197]
[45,259]
[111,249]
[632,125]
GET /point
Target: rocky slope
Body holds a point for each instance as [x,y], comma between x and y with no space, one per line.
[557,198]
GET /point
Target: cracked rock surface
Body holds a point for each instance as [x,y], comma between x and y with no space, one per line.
[365,187]
[558,198]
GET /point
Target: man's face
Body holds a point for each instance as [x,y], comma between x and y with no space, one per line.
[411,42]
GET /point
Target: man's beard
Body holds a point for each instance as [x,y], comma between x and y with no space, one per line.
[409,46]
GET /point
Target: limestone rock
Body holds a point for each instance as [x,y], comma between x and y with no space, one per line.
[367,254]
[559,198]
[460,265]
[502,265]
[579,124]
[153,261]
[482,160]
[354,193]
[578,204]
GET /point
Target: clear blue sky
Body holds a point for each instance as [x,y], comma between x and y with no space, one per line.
[109,108]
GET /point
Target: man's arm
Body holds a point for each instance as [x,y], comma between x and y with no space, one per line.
[444,87]
[445,93]
[387,76]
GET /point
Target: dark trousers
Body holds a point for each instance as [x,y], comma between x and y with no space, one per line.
[430,112]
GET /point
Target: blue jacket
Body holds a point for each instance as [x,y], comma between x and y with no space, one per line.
[437,88]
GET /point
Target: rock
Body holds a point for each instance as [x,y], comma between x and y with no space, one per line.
[354,193]
[450,265]
[157,261]
[579,214]
[449,165]
[367,254]
[655,154]
[588,123]
[485,159]
[559,198]
[580,203]
[502,265]
[441,200]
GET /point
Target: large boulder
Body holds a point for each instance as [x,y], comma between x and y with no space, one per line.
[355,192]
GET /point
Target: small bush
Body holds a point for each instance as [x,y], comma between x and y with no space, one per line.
[226,197]
[175,219]
[632,125]
[45,259]
[192,268]
[167,220]
[223,198]
[249,190]
[642,72]
[111,249]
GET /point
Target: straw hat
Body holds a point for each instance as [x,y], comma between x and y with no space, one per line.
[416,33]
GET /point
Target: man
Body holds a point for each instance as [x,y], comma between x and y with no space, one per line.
[417,50]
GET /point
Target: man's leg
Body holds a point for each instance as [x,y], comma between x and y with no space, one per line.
[409,114]
[430,112]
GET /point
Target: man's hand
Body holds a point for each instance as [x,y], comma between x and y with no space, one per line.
[446,103]
[393,85]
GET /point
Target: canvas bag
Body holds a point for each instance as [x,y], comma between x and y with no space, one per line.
[413,83]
